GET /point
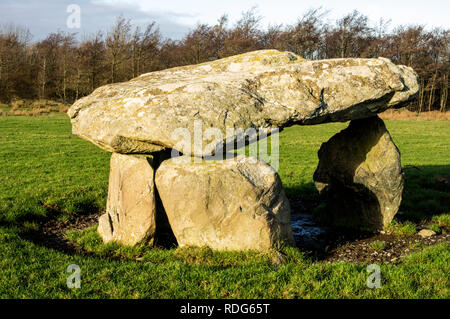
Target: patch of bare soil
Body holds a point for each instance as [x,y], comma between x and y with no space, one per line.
[396,247]
[330,244]
[51,233]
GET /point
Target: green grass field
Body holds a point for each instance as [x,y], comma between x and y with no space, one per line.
[47,173]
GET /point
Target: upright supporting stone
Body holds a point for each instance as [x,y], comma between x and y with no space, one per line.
[360,176]
[235,204]
[131,207]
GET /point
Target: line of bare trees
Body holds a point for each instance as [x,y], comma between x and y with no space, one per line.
[62,68]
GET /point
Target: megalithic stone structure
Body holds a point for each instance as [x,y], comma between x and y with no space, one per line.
[263,91]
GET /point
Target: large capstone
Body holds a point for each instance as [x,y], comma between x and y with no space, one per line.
[360,176]
[197,109]
[131,207]
[235,204]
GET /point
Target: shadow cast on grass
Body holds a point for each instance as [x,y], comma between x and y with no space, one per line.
[426,193]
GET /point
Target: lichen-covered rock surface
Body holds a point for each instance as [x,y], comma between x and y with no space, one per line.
[235,204]
[360,176]
[264,90]
[130,216]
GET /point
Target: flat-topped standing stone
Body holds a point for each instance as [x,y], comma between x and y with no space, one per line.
[360,176]
[236,204]
[131,207]
[264,90]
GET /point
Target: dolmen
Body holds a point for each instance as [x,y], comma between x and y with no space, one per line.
[173,136]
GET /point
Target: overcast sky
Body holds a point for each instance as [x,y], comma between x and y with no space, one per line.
[175,17]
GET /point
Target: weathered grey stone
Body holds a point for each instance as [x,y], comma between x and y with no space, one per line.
[360,176]
[236,204]
[131,207]
[265,90]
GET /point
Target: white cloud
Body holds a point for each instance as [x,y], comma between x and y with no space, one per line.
[431,13]
[117,3]
[170,9]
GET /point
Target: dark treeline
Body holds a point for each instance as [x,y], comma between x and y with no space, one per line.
[64,69]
